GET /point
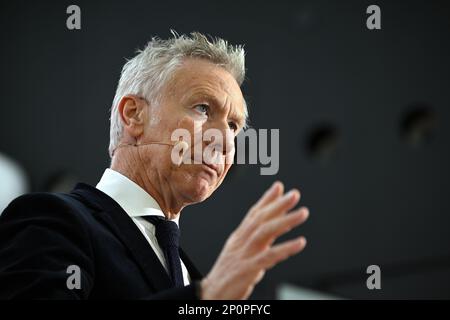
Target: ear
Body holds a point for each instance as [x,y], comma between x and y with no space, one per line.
[133,113]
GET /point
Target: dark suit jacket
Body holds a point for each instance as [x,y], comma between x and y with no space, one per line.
[42,234]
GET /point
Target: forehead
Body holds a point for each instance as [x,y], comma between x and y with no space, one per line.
[203,78]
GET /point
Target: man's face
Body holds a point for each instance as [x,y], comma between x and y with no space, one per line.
[200,96]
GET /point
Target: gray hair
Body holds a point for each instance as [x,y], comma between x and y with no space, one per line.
[148,72]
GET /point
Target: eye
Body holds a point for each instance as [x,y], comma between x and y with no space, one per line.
[233,126]
[202,108]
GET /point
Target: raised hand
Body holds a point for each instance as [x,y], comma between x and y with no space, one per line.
[250,249]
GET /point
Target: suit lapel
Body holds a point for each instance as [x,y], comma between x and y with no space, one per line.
[112,214]
[193,271]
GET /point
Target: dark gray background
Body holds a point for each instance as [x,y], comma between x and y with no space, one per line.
[377,200]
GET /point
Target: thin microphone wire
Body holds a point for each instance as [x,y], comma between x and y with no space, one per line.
[143,144]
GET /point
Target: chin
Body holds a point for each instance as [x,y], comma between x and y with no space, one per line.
[199,190]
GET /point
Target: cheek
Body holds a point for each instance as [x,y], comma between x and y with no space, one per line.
[188,123]
[192,132]
[225,170]
[229,157]
[155,117]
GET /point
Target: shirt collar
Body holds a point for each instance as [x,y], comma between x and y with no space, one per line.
[131,197]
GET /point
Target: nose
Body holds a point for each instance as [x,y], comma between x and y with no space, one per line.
[221,138]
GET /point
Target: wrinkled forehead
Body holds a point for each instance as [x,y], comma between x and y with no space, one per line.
[196,77]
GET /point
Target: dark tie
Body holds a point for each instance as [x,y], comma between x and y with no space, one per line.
[168,235]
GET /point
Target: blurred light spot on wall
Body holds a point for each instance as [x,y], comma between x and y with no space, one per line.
[13,181]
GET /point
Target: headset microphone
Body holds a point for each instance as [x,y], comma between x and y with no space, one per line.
[181,146]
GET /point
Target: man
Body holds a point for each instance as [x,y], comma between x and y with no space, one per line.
[121,237]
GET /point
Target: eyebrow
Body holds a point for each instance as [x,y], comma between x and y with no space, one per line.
[239,118]
[234,114]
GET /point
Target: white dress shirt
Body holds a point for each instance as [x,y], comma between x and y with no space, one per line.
[137,203]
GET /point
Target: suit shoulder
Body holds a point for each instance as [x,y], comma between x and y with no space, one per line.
[45,204]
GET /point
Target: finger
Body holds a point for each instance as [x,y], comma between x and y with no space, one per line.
[268,232]
[273,193]
[279,206]
[276,208]
[259,276]
[280,252]
[247,293]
